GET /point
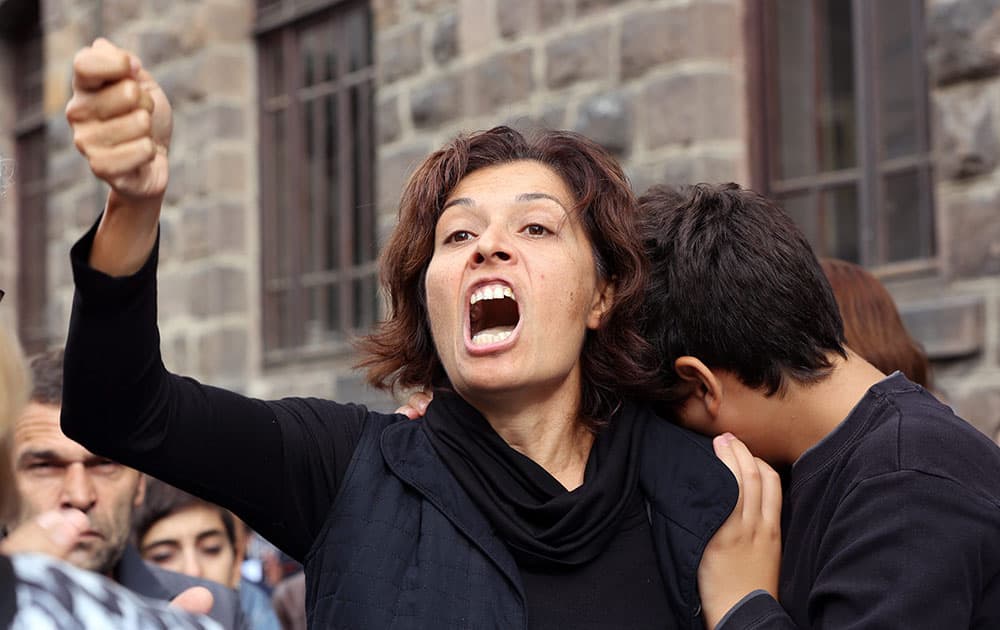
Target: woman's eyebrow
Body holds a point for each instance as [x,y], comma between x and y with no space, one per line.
[538,195]
[459,201]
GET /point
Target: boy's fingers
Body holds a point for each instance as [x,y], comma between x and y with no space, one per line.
[749,477]
[770,497]
[408,411]
[724,451]
[131,126]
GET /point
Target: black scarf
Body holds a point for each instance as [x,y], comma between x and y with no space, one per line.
[542,523]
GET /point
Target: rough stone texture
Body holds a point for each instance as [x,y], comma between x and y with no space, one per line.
[217,291]
[948,328]
[653,37]
[501,79]
[974,234]
[444,41]
[387,126]
[210,229]
[477,27]
[437,102]
[157,46]
[431,6]
[517,17]
[961,39]
[607,119]
[393,170]
[686,108]
[590,6]
[399,55]
[386,13]
[551,12]
[581,57]
[222,354]
[966,130]
[982,409]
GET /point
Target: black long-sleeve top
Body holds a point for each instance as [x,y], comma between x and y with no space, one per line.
[278,464]
[892,521]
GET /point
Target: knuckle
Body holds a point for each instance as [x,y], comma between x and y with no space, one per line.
[143,121]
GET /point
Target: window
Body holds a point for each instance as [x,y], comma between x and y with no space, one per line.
[30,166]
[317,220]
[842,134]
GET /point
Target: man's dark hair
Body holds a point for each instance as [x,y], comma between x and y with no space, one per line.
[163,500]
[735,284]
[47,377]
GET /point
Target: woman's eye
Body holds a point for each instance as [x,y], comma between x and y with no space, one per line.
[161,558]
[458,236]
[536,230]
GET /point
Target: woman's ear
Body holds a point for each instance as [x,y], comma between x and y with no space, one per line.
[604,299]
[705,390]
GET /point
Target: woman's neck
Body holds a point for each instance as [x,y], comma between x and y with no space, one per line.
[548,431]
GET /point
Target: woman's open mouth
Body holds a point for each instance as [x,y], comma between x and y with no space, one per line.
[493,314]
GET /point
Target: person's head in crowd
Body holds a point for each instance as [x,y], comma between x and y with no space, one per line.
[872,324]
[53,472]
[14,384]
[738,308]
[572,193]
[180,532]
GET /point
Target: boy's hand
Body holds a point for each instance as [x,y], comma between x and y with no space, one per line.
[121,121]
[745,553]
[416,406]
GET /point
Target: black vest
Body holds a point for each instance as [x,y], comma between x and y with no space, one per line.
[404,547]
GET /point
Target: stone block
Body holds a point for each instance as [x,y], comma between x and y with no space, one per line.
[579,57]
[206,229]
[436,102]
[973,234]
[477,27]
[444,40]
[948,327]
[517,17]
[387,126]
[551,12]
[500,80]
[65,169]
[178,82]
[554,117]
[225,171]
[223,73]
[393,170]
[399,54]
[115,14]
[157,46]
[981,408]
[680,170]
[432,6]
[686,108]
[215,121]
[607,119]
[230,22]
[352,387]
[961,40]
[222,354]
[216,290]
[653,37]
[588,6]
[967,136]
[386,13]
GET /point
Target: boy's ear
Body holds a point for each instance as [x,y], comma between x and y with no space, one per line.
[704,388]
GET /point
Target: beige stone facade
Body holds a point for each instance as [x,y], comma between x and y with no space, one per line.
[663,83]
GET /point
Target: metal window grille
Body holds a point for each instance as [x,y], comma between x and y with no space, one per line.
[317,200]
[841,125]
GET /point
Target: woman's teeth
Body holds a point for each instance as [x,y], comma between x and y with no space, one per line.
[486,338]
[492,292]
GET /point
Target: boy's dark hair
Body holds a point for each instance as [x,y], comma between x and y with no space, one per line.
[735,284]
[163,500]
[47,377]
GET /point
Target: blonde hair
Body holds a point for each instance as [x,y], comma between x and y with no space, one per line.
[15,384]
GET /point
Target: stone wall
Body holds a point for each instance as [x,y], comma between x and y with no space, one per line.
[658,82]
[955,311]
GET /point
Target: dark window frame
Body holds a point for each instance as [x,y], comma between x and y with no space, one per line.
[871,168]
[339,280]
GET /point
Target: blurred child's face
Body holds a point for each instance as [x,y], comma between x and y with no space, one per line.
[192,541]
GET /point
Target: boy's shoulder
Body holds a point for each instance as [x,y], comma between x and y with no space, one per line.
[911,430]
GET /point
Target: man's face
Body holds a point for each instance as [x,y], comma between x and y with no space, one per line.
[52,471]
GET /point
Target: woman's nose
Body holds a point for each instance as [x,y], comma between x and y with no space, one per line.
[493,246]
